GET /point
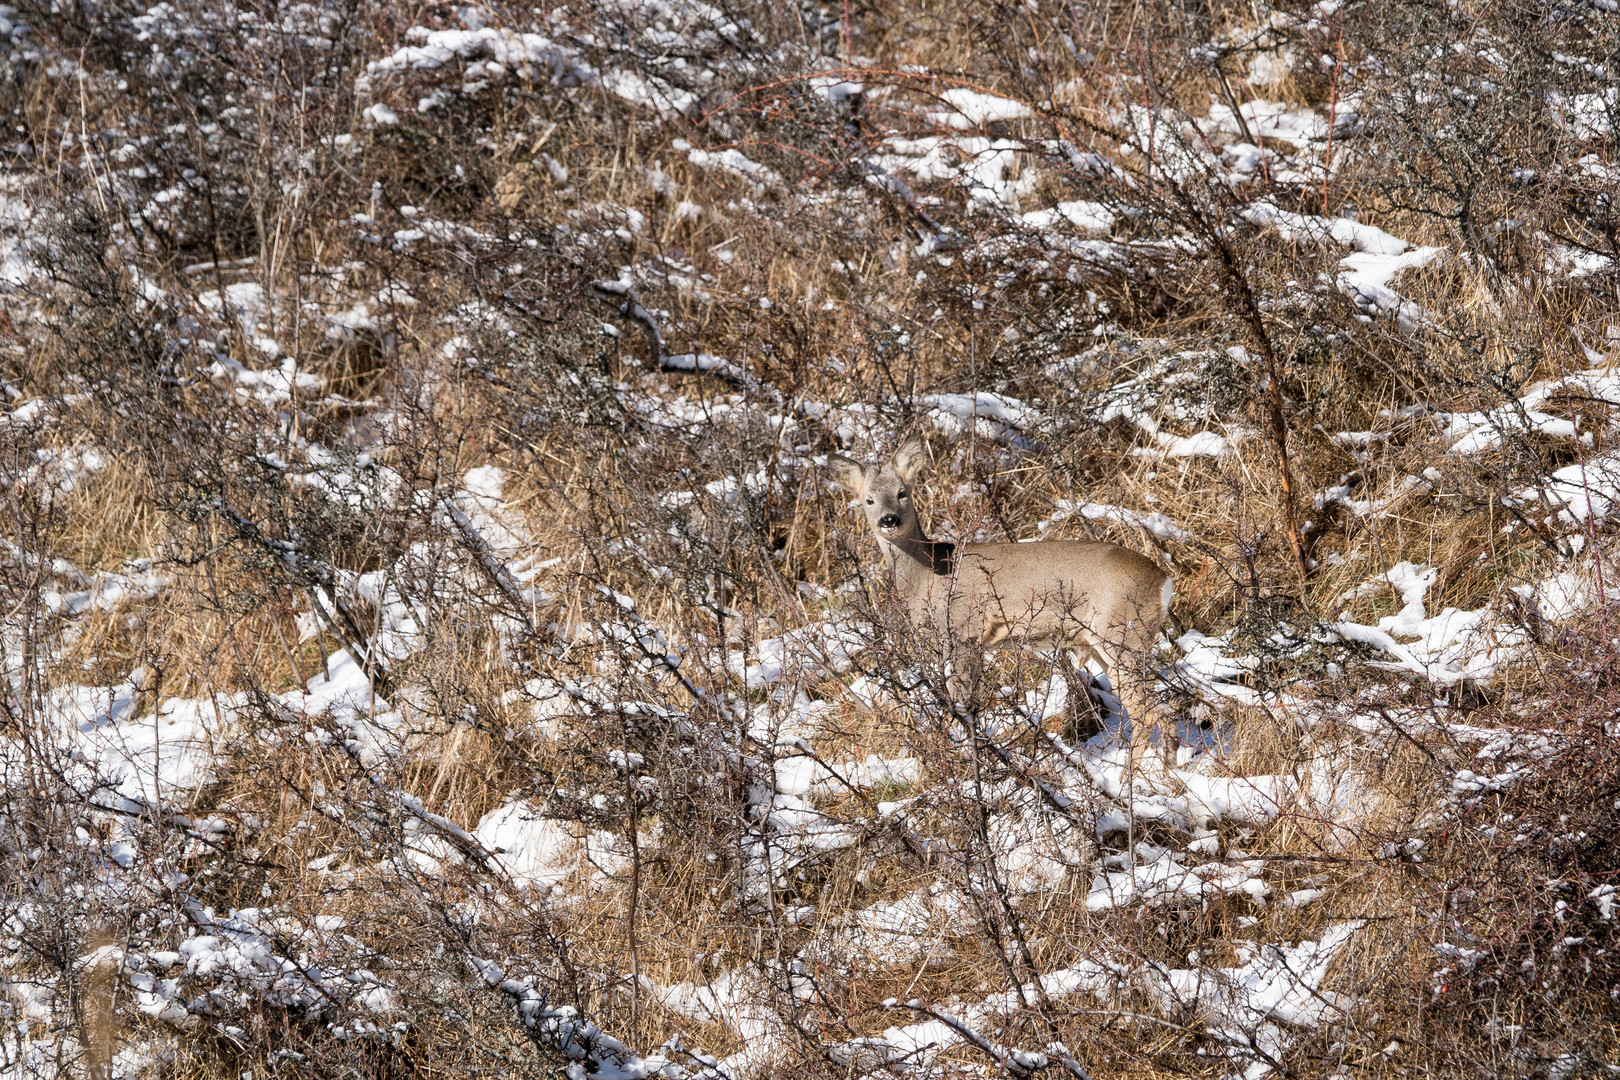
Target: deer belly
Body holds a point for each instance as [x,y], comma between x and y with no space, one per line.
[994,620]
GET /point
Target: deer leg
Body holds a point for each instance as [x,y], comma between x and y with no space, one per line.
[1135,689]
[1142,725]
[1140,639]
[1085,718]
[1138,699]
[994,633]
[967,670]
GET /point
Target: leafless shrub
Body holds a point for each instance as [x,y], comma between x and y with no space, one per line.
[433,643]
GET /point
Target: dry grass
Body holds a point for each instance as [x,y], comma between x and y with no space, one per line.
[814,284]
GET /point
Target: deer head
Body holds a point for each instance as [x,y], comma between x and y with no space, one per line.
[885,489]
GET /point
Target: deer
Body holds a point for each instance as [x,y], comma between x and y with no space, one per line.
[1101,599]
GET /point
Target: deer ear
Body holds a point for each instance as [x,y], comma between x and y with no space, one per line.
[849,473]
[910,458]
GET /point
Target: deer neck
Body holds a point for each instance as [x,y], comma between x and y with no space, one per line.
[915,559]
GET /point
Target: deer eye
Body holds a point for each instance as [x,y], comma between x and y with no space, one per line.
[904,494]
[869,502]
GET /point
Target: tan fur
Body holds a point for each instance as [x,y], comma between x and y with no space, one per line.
[98,1033]
[1103,598]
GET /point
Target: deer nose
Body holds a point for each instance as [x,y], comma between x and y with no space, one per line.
[889,521]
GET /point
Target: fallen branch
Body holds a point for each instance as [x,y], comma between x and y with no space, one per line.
[681,363]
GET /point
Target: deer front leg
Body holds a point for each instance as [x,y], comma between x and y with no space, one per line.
[1086,717]
[967,669]
[993,633]
[1138,706]
[1134,685]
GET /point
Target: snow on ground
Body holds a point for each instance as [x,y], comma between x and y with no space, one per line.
[987,168]
[141,762]
[1447,647]
[540,853]
[1087,217]
[135,756]
[1251,1006]
[18,242]
[1164,392]
[1248,1008]
[992,416]
[974,108]
[1474,432]
[1156,524]
[1365,274]
[131,754]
